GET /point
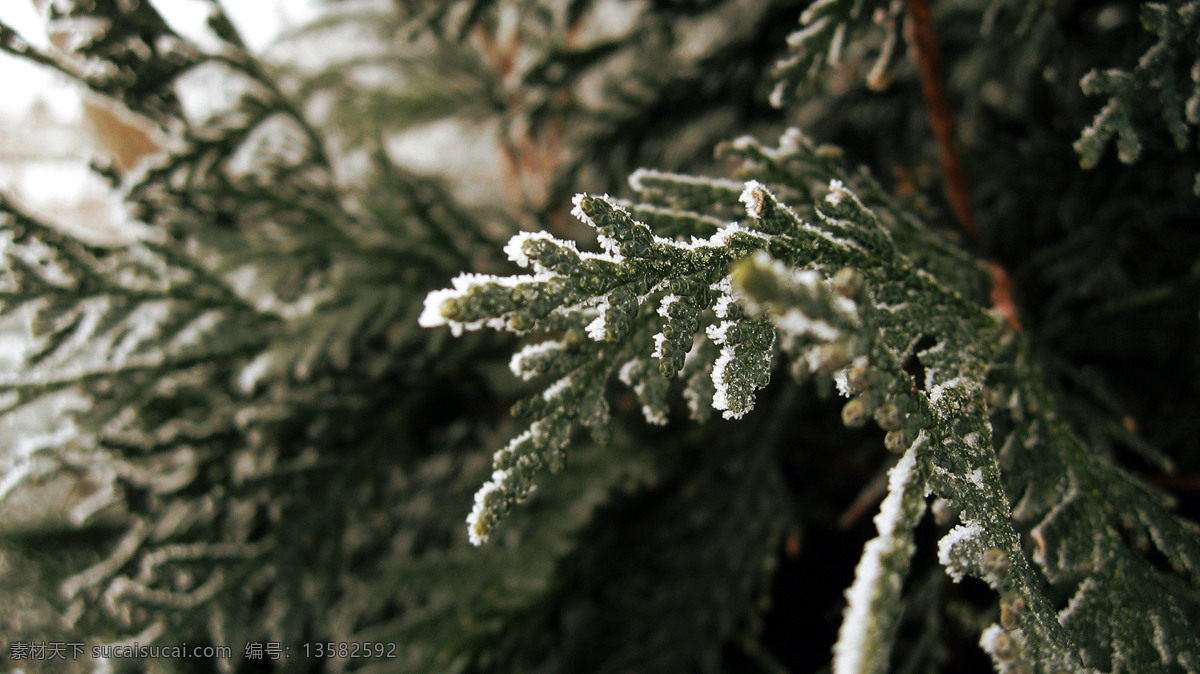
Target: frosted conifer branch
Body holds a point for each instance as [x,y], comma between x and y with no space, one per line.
[606,298]
[183,370]
[826,28]
[230,380]
[645,296]
[1176,29]
[873,601]
[823,326]
[845,302]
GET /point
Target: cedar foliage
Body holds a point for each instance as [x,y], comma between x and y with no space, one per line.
[269,447]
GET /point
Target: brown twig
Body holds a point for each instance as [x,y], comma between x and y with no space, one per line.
[924,49]
[1178,483]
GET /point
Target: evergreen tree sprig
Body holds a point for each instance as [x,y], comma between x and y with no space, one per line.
[1157,74]
[877,311]
[828,27]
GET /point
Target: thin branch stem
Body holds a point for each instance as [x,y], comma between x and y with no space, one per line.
[924,49]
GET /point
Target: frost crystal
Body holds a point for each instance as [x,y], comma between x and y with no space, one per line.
[665,306]
[478,535]
[721,397]
[949,553]
[837,192]
[534,359]
[599,326]
[753,198]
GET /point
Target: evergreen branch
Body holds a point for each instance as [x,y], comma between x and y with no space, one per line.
[243,394]
[13,43]
[603,296]
[1176,28]
[130,55]
[82,297]
[827,27]
[860,329]
[872,614]
[965,472]
[1094,526]
[126,53]
[218,20]
[825,328]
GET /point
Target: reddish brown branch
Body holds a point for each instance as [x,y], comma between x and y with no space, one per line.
[1178,483]
[924,49]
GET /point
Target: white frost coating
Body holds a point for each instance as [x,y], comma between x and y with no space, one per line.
[721,308]
[432,316]
[801,277]
[651,415]
[837,192]
[898,476]
[946,546]
[81,31]
[936,348]
[666,303]
[755,198]
[660,340]
[891,308]
[976,477]
[657,287]
[13,476]
[595,329]
[722,236]
[207,90]
[795,322]
[145,327]
[557,387]
[776,97]
[790,141]
[725,288]
[847,306]
[577,202]
[721,396]
[856,630]
[1160,639]
[936,392]
[102,498]
[498,479]
[515,248]
[625,375]
[197,330]
[610,245]
[253,373]
[841,378]
[988,640]
[518,362]
[527,435]
[638,177]
[717,333]
[1085,588]
[743,142]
